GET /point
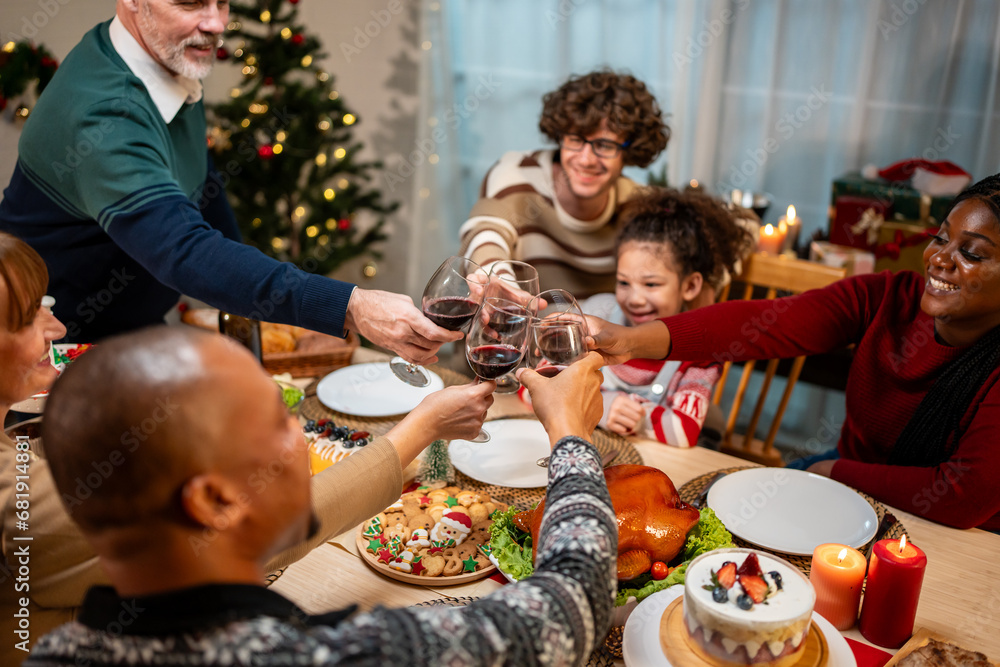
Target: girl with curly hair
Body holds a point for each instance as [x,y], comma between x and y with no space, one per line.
[670,248]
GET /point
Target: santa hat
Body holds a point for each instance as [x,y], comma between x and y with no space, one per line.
[938,178]
[458,521]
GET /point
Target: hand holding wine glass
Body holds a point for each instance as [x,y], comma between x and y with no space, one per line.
[516,284]
[497,340]
[451,299]
[558,332]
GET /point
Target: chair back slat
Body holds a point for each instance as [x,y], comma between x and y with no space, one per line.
[774,274]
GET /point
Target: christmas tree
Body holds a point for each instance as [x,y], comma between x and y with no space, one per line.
[436,466]
[283,144]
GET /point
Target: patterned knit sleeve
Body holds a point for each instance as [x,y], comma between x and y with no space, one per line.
[555,617]
[679,421]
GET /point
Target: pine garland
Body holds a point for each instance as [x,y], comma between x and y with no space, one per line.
[22,63]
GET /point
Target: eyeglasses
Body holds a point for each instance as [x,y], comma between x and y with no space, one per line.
[602,147]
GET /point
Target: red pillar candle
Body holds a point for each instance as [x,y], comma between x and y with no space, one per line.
[895,574]
[837,574]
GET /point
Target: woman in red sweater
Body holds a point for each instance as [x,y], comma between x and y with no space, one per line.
[923,401]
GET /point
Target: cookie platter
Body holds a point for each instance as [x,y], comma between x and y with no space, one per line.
[431,537]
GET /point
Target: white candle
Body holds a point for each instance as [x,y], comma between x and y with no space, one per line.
[792,225]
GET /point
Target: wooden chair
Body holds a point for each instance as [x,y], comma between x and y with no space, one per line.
[773,273]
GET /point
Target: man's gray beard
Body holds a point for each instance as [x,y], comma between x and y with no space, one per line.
[172,55]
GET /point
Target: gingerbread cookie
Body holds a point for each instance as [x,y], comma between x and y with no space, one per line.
[431,532]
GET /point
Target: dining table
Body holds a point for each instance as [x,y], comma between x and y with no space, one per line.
[960,598]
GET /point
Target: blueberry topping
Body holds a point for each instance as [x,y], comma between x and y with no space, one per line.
[776,577]
[744,601]
[362,442]
[311,424]
[347,444]
[720,594]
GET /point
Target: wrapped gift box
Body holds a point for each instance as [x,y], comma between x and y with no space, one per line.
[905,202]
[901,246]
[838,256]
[855,221]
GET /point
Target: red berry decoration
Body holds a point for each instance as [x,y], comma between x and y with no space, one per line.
[221,53]
[266,152]
[297,39]
[343,224]
[727,575]
[750,566]
[754,586]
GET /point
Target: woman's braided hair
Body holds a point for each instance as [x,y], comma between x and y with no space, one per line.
[700,233]
[931,436]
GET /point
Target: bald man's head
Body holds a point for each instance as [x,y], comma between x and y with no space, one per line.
[147,425]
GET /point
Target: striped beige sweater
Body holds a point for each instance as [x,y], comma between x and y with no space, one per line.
[518,217]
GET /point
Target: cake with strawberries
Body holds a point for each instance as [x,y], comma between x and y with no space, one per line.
[747,607]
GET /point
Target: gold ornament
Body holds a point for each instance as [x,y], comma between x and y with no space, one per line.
[22,112]
[370,269]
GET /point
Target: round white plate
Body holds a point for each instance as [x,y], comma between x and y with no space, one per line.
[641,640]
[791,511]
[371,390]
[508,459]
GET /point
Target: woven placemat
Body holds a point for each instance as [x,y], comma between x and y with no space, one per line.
[690,491]
[523,499]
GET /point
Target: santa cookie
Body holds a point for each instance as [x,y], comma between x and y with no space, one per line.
[452,526]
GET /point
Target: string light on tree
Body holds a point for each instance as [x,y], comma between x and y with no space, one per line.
[299,202]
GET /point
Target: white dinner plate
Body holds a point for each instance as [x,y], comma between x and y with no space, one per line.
[791,511]
[509,458]
[641,640]
[371,390]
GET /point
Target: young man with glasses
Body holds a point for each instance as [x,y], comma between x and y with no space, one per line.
[557,209]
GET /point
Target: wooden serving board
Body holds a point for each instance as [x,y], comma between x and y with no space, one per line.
[919,638]
[384,570]
[682,651]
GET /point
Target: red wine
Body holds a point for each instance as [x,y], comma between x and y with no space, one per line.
[560,345]
[491,361]
[450,312]
[508,319]
[549,371]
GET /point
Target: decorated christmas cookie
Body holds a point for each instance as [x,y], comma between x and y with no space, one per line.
[431,532]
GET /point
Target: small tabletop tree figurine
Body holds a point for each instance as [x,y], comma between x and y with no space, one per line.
[284,145]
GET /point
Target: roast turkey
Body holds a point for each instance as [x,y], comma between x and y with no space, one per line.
[653,521]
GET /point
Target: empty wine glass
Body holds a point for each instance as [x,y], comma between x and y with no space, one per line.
[451,299]
[497,340]
[517,283]
[558,332]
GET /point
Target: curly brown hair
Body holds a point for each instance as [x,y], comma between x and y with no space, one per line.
[580,104]
[699,233]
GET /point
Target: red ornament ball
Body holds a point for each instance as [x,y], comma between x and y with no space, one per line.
[266,152]
[297,39]
[221,53]
[268,81]
[343,224]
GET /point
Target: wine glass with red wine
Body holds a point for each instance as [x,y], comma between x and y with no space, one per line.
[517,284]
[558,333]
[451,299]
[497,340]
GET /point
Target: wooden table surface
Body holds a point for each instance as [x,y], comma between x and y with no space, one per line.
[960,598]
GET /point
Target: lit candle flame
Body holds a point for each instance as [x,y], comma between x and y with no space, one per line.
[768,230]
[790,213]
[902,543]
[841,556]
[694,183]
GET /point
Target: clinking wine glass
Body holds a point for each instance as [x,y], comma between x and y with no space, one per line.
[497,340]
[558,333]
[450,300]
[517,283]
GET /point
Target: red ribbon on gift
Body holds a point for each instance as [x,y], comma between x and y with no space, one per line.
[894,247]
